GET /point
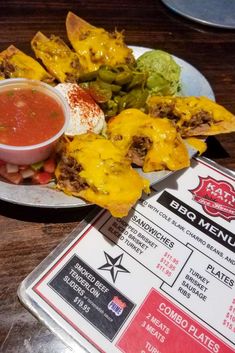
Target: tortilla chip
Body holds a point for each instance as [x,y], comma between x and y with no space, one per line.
[57,57]
[92,168]
[95,46]
[151,143]
[16,64]
[193,116]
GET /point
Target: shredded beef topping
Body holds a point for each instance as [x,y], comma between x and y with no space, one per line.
[199,119]
[70,77]
[75,64]
[69,178]
[118,138]
[6,68]
[138,150]
[163,110]
[84,35]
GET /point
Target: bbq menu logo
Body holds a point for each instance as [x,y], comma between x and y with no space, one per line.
[216,197]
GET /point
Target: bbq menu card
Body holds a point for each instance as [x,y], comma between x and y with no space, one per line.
[161,280]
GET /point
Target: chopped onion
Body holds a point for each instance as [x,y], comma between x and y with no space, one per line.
[12,168]
[27,173]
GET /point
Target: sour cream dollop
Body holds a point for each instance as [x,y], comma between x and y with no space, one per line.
[85,114]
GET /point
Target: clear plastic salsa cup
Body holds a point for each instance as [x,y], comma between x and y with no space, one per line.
[33,153]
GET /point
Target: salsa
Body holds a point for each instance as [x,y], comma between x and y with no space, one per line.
[28,117]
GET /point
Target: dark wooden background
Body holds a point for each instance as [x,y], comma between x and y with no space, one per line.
[27,235]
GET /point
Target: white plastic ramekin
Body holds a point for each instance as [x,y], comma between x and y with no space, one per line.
[39,152]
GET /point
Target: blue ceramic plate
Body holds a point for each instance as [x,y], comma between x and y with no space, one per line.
[217,13]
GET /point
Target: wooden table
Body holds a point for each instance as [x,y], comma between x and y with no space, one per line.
[28,235]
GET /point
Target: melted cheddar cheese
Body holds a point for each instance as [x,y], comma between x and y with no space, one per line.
[57,57]
[167,150]
[193,115]
[95,46]
[16,64]
[110,180]
[197,144]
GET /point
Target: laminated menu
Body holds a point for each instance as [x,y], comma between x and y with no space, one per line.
[161,280]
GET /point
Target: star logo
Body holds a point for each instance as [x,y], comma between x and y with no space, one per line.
[113,265]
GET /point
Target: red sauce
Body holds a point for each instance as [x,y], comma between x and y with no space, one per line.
[28,117]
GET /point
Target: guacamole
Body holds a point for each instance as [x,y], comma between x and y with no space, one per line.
[163,72]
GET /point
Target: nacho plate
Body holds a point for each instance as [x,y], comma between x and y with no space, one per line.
[46,196]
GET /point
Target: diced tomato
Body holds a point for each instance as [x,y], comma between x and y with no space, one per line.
[23,167]
[49,165]
[16,174]
[42,177]
[15,178]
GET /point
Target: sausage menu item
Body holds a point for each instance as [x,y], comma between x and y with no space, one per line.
[148,282]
